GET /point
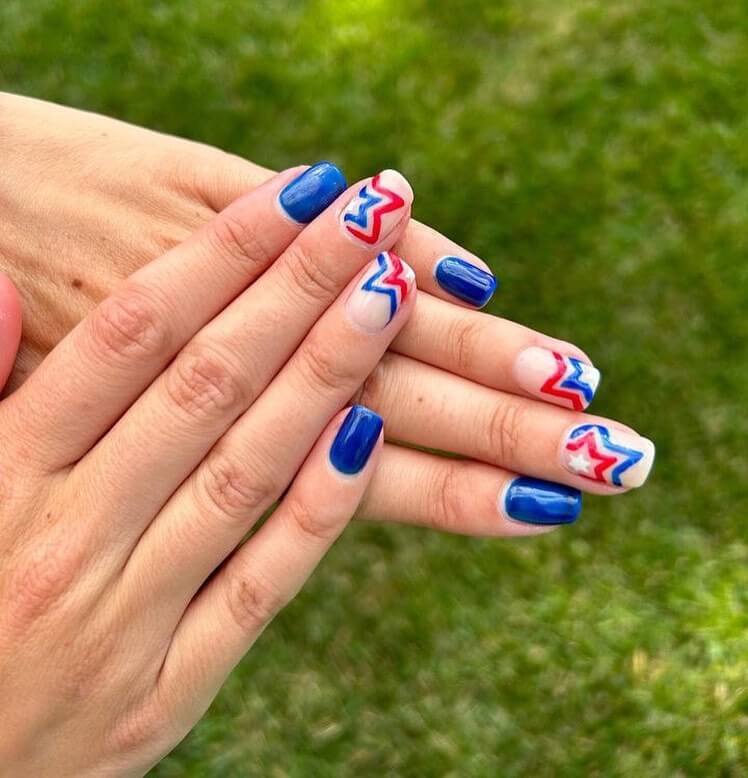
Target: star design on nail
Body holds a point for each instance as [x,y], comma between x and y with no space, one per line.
[394,284]
[573,381]
[366,211]
[579,463]
[594,441]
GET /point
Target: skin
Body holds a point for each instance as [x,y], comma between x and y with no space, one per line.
[87,200]
[140,453]
[142,447]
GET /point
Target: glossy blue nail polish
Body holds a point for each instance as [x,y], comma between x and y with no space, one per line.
[311,192]
[355,440]
[465,281]
[541,502]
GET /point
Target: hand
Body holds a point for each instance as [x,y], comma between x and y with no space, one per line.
[153,437]
[455,380]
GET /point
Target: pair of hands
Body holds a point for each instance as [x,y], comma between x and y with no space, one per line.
[158,432]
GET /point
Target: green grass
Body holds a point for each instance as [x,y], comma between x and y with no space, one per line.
[596,154]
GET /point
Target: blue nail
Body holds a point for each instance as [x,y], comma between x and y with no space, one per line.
[465,281]
[355,440]
[542,502]
[311,192]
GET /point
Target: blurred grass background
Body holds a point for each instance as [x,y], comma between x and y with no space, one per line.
[596,155]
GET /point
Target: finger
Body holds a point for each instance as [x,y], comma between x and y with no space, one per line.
[10,326]
[499,353]
[432,408]
[256,459]
[229,363]
[464,497]
[260,578]
[96,372]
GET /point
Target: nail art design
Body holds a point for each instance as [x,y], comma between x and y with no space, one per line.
[561,380]
[465,281]
[607,455]
[533,501]
[383,288]
[304,198]
[378,207]
[355,440]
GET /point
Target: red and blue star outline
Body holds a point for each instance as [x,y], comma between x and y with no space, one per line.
[576,391]
[596,439]
[391,284]
[376,200]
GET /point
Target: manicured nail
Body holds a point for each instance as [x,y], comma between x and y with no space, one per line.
[608,455]
[378,207]
[565,381]
[465,281]
[380,291]
[310,193]
[355,440]
[541,502]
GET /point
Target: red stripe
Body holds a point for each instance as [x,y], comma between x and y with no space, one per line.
[549,387]
[395,277]
[605,461]
[378,211]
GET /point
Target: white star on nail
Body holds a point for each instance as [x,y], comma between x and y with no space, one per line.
[579,463]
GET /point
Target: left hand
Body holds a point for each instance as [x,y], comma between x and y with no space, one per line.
[454,380]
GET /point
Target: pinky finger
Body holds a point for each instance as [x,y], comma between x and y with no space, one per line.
[465,497]
[264,574]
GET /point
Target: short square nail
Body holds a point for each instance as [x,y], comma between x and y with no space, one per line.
[310,193]
[355,440]
[380,291]
[555,378]
[377,208]
[607,455]
[533,501]
[465,281]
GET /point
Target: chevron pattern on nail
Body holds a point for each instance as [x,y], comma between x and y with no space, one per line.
[573,382]
[363,217]
[389,278]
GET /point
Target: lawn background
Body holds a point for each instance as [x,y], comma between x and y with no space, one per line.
[596,155]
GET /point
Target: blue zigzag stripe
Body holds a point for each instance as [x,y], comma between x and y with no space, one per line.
[370,285]
[573,382]
[631,454]
[362,217]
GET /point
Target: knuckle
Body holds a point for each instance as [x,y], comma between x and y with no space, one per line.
[202,383]
[464,340]
[320,524]
[310,277]
[230,490]
[327,371]
[242,242]
[41,580]
[128,325]
[504,433]
[447,499]
[136,728]
[252,601]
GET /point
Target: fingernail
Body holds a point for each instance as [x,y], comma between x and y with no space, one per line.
[541,502]
[565,381]
[380,291]
[378,207]
[465,281]
[310,193]
[355,440]
[607,455]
